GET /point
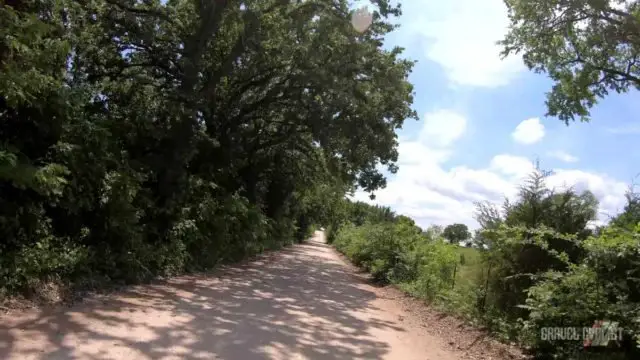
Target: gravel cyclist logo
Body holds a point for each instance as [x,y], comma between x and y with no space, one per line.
[600,334]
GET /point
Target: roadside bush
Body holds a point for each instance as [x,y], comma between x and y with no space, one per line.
[536,265]
[379,248]
[434,263]
[353,241]
[605,286]
[45,259]
[397,252]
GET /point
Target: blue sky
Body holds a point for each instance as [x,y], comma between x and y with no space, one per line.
[482,122]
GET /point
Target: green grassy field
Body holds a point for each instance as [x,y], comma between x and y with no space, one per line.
[470,265]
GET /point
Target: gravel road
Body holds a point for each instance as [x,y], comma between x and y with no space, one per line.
[303,302]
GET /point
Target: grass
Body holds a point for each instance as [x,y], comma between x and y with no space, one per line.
[470,265]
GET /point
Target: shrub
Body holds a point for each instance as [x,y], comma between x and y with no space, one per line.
[435,262]
[602,287]
[398,253]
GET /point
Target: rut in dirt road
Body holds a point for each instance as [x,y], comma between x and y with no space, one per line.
[303,302]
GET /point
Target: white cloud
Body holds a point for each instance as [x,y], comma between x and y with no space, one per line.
[462,37]
[610,192]
[563,156]
[529,131]
[516,167]
[431,193]
[416,153]
[442,128]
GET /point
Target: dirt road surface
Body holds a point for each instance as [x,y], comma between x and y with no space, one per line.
[303,302]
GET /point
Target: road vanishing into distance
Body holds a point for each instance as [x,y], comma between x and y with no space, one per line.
[303,302]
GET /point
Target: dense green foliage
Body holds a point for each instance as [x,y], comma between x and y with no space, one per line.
[535,263]
[394,249]
[144,138]
[589,48]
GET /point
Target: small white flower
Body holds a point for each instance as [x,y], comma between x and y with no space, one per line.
[361,19]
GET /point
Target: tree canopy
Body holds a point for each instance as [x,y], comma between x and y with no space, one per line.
[142,137]
[456,233]
[589,48]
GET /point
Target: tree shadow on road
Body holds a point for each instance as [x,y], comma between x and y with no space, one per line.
[297,303]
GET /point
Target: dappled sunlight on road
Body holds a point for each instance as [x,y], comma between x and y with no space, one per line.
[299,303]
